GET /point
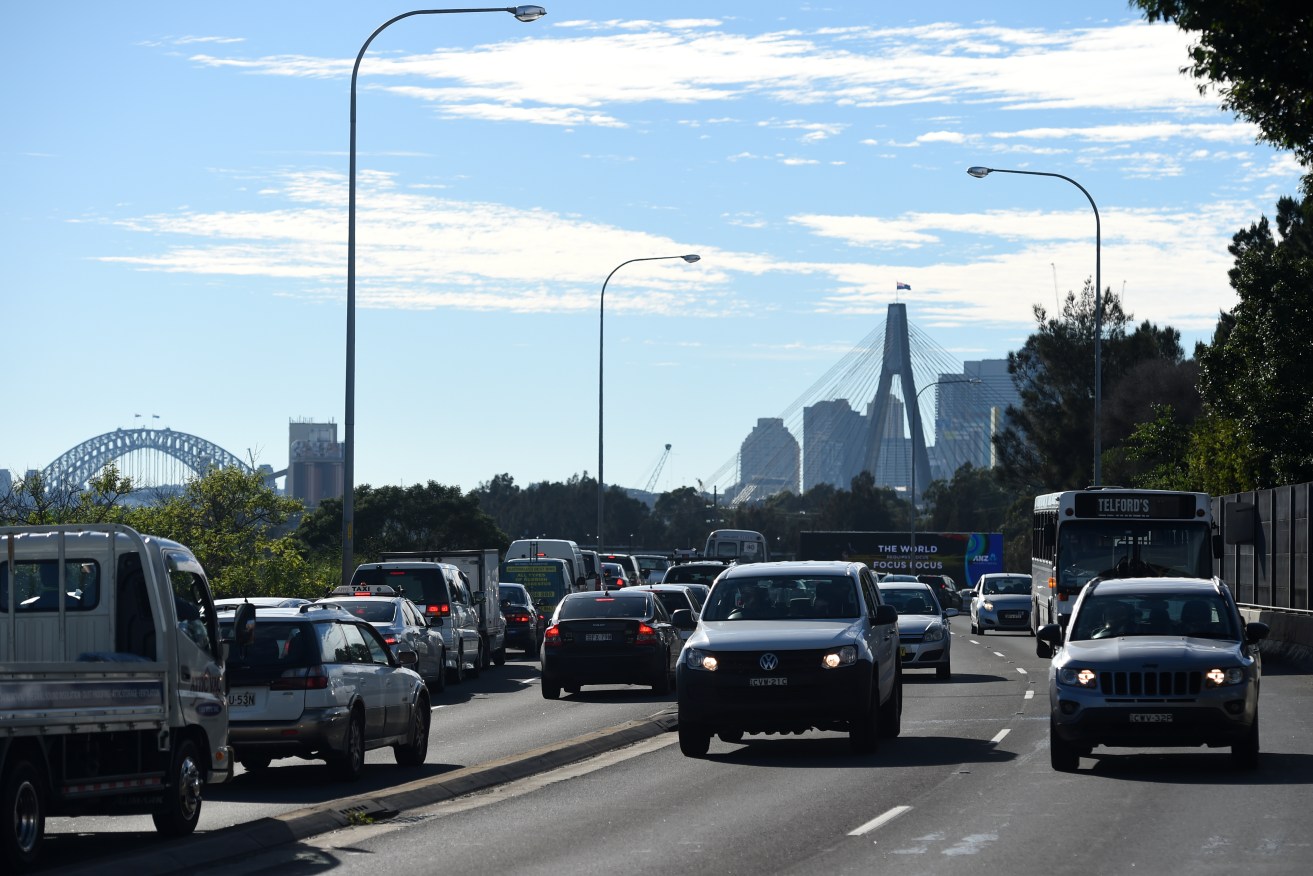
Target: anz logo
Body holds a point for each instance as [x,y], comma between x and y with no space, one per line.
[769,662]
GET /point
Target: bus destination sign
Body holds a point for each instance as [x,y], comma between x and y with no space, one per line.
[1141,506]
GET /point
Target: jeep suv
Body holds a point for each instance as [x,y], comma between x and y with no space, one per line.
[1153,662]
[318,682]
[789,647]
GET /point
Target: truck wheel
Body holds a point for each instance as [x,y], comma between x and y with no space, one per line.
[349,764]
[182,796]
[22,814]
[413,752]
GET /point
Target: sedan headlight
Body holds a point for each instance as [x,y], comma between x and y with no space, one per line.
[933,633]
[698,659]
[988,604]
[845,656]
[1086,678]
[1223,677]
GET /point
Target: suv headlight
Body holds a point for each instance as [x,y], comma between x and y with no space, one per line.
[1223,677]
[695,658]
[1086,678]
[933,633]
[845,656]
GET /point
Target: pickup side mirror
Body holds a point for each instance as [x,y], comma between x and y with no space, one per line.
[885,614]
[683,619]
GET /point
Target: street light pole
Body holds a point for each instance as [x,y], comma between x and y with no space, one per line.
[981,173]
[601,313]
[522,13]
[916,422]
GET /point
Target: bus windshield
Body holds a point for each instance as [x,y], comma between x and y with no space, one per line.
[1132,549]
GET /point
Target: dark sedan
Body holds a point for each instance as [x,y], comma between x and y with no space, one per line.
[524,622]
[619,637]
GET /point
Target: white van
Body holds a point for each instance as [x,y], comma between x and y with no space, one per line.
[739,545]
[561,549]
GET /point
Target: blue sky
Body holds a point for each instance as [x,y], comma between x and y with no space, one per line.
[176,190]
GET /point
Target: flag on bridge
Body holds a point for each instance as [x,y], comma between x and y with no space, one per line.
[901,286]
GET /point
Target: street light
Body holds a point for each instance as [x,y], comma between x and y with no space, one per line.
[916,422]
[522,13]
[981,173]
[601,313]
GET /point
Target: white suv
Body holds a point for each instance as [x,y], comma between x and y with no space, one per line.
[320,683]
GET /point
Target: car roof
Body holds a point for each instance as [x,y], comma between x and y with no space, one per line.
[262,601]
[1006,575]
[311,611]
[791,567]
[904,585]
[900,579]
[1138,586]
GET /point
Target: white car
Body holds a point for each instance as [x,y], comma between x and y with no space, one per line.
[923,632]
[1001,601]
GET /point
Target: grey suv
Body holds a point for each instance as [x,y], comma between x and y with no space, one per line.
[789,647]
[1153,662]
[320,683]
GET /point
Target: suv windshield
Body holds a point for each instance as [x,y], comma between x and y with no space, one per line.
[819,598]
[1154,614]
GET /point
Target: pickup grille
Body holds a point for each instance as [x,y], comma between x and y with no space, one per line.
[1151,684]
[745,662]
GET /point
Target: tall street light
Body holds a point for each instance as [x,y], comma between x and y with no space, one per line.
[916,422]
[523,13]
[601,325]
[981,173]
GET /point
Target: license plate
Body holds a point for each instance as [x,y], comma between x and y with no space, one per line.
[1151,718]
[597,637]
[773,681]
[241,699]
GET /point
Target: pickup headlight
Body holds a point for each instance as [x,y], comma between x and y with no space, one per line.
[934,633]
[698,659]
[1086,678]
[845,656]
[1223,677]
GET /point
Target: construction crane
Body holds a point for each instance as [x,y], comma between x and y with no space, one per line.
[651,482]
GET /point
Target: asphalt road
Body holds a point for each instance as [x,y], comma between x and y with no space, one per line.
[967,788]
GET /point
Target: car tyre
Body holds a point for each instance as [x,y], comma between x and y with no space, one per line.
[733,737]
[891,710]
[499,656]
[182,799]
[457,675]
[661,686]
[1063,756]
[864,729]
[945,671]
[551,690]
[255,764]
[694,740]
[438,683]
[476,667]
[1244,754]
[22,814]
[414,751]
[349,764]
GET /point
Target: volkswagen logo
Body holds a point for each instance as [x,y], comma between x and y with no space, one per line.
[769,662]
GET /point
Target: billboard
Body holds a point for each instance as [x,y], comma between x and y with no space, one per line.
[963,556]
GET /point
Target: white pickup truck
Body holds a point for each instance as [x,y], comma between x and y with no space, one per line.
[112,688]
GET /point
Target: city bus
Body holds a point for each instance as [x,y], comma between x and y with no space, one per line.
[1114,532]
[740,545]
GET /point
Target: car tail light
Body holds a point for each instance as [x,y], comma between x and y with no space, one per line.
[441,609]
[309,678]
[519,618]
[552,636]
[391,640]
[646,635]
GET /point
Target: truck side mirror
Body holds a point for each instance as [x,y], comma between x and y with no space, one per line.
[244,624]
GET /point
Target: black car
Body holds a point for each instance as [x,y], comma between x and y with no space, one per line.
[524,622]
[615,637]
[945,589]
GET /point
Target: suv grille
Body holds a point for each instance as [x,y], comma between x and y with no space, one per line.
[1151,684]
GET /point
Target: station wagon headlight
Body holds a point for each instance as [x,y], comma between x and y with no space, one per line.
[845,656]
[1223,677]
[933,633]
[697,659]
[1078,677]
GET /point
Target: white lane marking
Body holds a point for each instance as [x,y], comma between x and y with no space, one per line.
[1022,671]
[973,641]
[880,820]
[999,654]
[1030,695]
[999,738]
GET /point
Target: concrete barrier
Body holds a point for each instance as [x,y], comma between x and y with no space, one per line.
[1291,638]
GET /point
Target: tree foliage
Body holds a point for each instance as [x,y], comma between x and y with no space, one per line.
[33,501]
[1259,56]
[1256,375]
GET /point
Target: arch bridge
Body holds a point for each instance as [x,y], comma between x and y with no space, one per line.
[79,465]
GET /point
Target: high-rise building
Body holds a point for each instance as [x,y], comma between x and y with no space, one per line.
[315,463]
[768,461]
[968,415]
[833,441]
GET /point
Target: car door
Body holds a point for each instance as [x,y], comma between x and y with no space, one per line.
[361,669]
[881,638]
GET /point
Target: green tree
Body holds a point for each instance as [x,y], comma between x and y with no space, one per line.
[1259,56]
[237,525]
[1256,374]
[972,501]
[32,501]
[679,519]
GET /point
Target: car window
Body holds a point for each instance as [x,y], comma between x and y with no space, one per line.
[278,644]
[635,606]
[369,610]
[910,601]
[377,649]
[770,598]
